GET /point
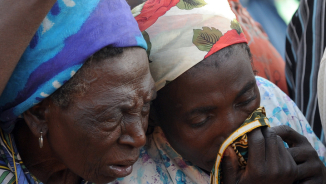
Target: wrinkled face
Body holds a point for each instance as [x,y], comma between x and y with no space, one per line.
[99,135]
[203,106]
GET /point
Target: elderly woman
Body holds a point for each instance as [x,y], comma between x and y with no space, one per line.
[201,65]
[76,106]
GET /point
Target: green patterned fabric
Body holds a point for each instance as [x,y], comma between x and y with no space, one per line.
[240,145]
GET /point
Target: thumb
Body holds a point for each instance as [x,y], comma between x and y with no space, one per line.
[230,166]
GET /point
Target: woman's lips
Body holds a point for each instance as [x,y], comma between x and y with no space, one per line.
[120,170]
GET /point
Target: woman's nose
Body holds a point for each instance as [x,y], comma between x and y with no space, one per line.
[133,134]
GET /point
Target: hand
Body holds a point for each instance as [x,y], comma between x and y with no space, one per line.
[311,169]
[268,161]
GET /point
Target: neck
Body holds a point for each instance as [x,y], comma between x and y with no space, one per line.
[41,162]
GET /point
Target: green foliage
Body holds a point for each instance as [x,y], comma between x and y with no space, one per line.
[149,44]
[235,25]
[190,4]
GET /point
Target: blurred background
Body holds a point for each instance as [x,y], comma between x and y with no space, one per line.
[274,16]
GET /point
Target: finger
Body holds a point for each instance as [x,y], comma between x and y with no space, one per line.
[283,152]
[256,149]
[299,154]
[311,170]
[271,143]
[285,160]
[306,172]
[281,146]
[310,182]
[278,160]
[289,135]
[230,166]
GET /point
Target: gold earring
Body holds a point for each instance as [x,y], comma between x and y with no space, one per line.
[40,140]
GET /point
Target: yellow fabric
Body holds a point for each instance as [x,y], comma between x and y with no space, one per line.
[255,120]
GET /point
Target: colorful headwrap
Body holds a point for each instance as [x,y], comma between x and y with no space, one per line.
[71,32]
[180,34]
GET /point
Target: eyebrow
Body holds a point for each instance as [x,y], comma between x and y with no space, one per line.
[200,110]
[247,87]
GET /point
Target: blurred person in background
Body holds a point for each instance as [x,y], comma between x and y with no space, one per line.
[305,45]
[265,12]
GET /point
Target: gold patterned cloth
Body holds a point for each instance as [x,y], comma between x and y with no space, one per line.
[238,140]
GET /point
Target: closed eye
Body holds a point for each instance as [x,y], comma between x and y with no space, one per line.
[201,123]
[242,104]
[246,95]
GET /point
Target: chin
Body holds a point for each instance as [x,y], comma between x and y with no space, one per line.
[208,166]
[109,174]
[101,180]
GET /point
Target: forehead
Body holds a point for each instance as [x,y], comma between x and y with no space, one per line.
[200,82]
[123,77]
[130,66]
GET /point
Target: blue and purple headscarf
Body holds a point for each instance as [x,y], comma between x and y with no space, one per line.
[71,32]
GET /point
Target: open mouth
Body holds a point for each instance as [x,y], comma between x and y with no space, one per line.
[120,170]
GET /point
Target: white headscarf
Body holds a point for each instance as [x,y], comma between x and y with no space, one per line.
[180,34]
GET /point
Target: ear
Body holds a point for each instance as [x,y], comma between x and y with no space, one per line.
[35,117]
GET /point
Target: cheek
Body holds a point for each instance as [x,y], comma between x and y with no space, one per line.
[258,96]
[81,146]
[198,146]
[145,122]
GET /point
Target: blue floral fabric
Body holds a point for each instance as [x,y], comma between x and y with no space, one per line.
[158,163]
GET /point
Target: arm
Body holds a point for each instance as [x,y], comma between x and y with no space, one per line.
[281,110]
[19,20]
[305,44]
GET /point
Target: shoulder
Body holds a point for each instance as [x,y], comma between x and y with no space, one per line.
[7,174]
[281,110]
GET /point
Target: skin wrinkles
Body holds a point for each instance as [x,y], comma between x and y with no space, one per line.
[84,140]
[203,106]
[131,106]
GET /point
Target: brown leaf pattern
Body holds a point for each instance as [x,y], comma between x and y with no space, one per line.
[205,39]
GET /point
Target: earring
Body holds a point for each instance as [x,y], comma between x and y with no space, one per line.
[40,140]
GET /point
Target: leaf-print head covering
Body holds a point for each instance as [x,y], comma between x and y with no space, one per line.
[181,33]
